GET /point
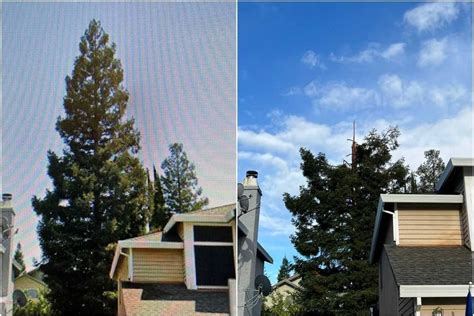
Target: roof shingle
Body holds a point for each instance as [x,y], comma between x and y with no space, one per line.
[430,265]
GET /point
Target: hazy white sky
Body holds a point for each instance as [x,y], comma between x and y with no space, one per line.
[179,62]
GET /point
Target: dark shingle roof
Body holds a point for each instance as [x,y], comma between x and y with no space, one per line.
[430,265]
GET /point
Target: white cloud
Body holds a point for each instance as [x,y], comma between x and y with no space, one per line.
[430,16]
[448,95]
[276,226]
[292,91]
[266,159]
[263,140]
[433,52]
[373,51]
[393,50]
[453,136]
[399,94]
[339,95]
[311,59]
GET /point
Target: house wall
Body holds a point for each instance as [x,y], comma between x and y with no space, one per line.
[406,306]
[122,269]
[284,290]
[388,289]
[429,225]
[465,226]
[158,265]
[25,283]
[452,306]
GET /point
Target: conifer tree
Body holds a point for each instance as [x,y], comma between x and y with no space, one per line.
[19,258]
[160,214]
[98,195]
[429,171]
[334,215]
[180,183]
[285,270]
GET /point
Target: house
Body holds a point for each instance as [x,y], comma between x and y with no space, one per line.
[188,268]
[7,221]
[252,256]
[422,245]
[31,283]
[285,288]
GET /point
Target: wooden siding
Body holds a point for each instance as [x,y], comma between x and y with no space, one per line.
[452,306]
[430,226]
[122,269]
[158,265]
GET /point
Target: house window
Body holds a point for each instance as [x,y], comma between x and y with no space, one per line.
[214,255]
[32,293]
[213,233]
[214,265]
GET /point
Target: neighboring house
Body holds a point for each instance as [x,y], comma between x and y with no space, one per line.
[284,289]
[252,255]
[186,269]
[31,283]
[7,221]
[422,244]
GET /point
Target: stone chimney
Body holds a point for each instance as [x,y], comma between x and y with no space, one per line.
[248,245]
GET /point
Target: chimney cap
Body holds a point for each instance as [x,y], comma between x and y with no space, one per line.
[252,173]
[7,196]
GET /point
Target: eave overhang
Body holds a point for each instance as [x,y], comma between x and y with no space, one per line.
[199,218]
[453,163]
[264,253]
[434,290]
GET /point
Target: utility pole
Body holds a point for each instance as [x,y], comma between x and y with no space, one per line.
[354,145]
[353,153]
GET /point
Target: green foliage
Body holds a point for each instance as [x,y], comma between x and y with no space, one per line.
[160,215]
[278,305]
[18,256]
[429,171]
[180,184]
[334,215]
[39,307]
[99,185]
[285,270]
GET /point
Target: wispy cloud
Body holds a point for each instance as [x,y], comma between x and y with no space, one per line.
[431,16]
[312,60]
[339,95]
[398,93]
[372,52]
[292,91]
[433,52]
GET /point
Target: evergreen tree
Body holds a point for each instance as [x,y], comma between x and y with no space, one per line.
[285,270]
[429,171]
[180,184]
[99,185]
[160,215]
[334,215]
[18,256]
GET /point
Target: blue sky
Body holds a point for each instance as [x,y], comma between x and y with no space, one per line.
[307,70]
[179,65]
